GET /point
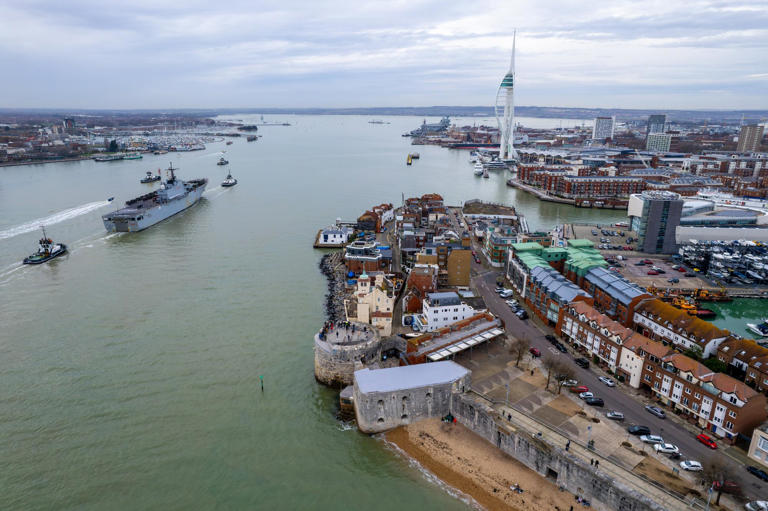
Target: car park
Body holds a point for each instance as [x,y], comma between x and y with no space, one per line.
[636,429]
[652,439]
[607,381]
[585,395]
[704,439]
[757,472]
[579,389]
[691,466]
[666,448]
[535,352]
[594,401]
[582,362]
[614,415]
[561,348]
[655,410]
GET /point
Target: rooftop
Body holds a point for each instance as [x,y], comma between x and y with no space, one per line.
[614,285]
[443,299]
[408,377]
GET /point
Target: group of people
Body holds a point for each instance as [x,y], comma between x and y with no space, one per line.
[330,326]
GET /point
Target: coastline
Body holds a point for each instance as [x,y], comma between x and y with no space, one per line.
[474,467]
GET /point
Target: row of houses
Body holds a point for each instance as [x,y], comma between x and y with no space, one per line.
[715,401]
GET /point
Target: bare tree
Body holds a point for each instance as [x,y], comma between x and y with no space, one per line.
[563,371]
[714,470]
[550,363]
[518,348]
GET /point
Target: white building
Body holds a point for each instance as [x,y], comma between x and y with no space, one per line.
[603,128]
[441,310]
[334,236]
[373,303]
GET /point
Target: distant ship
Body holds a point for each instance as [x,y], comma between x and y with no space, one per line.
[229,181]
[252,138]
[111,157]
[222,161]
[173,196]
[151,178]
[132,156]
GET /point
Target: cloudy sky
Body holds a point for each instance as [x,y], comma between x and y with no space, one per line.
[317,53]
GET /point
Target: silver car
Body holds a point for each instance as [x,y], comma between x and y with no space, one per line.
[655,410]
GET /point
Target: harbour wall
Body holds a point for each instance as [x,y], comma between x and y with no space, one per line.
[554,463]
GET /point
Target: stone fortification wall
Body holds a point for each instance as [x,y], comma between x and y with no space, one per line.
[380,411]
[335,364]
[555,463]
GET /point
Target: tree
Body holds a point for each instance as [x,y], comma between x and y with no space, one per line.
[552,364]
[564,371]
[715,364]
[693,352]
[518,348]
[113,146]
[714,470]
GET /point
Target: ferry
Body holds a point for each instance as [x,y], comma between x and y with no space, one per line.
[133,156]
[109,157]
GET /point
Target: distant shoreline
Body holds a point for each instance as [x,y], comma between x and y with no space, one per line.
[41,162]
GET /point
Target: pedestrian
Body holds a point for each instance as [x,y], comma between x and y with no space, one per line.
[592,461]
[568,445]
[597,463]
[531,372]
[571,509]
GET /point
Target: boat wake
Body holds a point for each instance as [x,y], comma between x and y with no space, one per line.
[55,218]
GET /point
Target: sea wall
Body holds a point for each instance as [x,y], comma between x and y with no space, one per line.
[552,462]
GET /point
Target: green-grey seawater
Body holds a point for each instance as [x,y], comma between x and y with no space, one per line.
[130,368]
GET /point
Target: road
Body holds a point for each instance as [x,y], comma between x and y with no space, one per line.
[615,399]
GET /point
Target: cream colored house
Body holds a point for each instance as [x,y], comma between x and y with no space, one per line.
[758,447]
[373,302]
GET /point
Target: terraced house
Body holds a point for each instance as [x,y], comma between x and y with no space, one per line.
[746,361]
[598,335]
[661,321]
[715,401]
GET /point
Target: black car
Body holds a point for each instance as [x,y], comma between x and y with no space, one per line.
[638,430]
[594,401]
[582,362]
[521,314]
[551,338]
[757,472]
[561,348]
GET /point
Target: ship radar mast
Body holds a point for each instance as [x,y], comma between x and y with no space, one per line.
[173,175]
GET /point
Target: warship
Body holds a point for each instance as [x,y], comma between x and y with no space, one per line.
[173,196]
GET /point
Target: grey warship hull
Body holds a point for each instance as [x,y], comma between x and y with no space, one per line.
[138,214]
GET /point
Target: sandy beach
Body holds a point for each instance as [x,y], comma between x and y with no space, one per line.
[473,466]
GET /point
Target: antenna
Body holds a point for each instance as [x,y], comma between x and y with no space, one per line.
[512,61]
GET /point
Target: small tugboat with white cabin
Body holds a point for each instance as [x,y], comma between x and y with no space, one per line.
[47,251]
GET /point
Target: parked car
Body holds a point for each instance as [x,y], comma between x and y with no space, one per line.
[579,388]
[690,274]
[535,352]
[691,465]
[607,381]
[666,448]
[758,472]
[673,280]
[582,362]
[594,232]
[585,395]
[551,338]
[568,383]
[757,505]
[638,430]
[477,260]
[499,289]
[652,439]
[655,410]
[727,487]
[681,269]
[594,401]
[512,303]
[704,439]
[675,266]
[561,348]
[640,263]
[614,415]
[521,314]
[652,272]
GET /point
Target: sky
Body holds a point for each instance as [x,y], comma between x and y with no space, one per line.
[671,54]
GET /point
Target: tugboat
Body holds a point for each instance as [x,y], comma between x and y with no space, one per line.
[229,142]
[47,251]
[229,181]
[150,178]
[222,161]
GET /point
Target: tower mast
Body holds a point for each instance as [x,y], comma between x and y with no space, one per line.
[505,109]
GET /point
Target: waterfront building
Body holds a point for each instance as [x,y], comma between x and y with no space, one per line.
[600,187]
[658,142]
[445,343]
[373,302]
[396,396]
[592,332]
[497,242]
[657,123]
[422,280]
[715,401]
[750,138]
[334,236]
[441,310]
[661,321]
[746,360]
[758,447]
[613,294]
[505,110]
[361,256]
[453,260]
[603,128]
[654,216]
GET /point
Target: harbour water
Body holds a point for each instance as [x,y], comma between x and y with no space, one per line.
[130,374]
[735,315]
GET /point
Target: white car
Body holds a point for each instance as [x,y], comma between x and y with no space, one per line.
[693,466]
[652,439]
[512,303]
[757,505]
[666,448]
[607,381]
[569,383]
[585,395]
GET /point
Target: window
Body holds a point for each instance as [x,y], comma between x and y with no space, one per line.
[647,377]
[731,413]
[728,425]
[697,395]
[687,390]
[685,401]
[658,375]
[655,385]
[732,399]
[695,407]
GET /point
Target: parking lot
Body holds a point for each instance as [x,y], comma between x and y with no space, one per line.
[608,238]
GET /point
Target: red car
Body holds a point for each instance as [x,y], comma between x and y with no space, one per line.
[648,261]
[579,389]
[681,270]
[535,352]
[652,272]
[704,439]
